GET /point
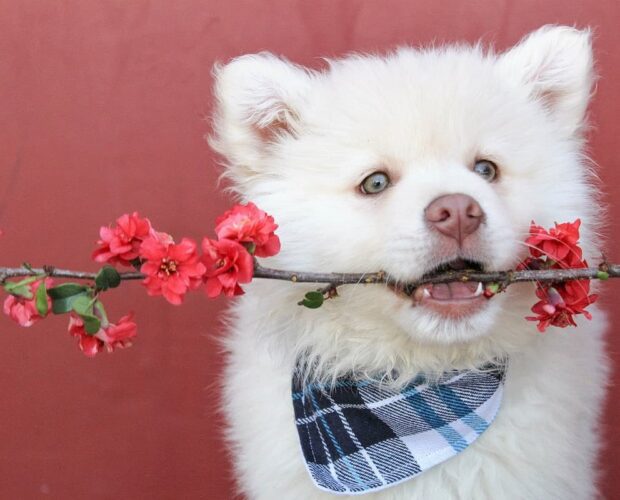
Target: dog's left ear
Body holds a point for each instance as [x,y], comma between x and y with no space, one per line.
[555,65]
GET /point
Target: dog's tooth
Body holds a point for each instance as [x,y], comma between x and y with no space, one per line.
[479,290]
[420,293]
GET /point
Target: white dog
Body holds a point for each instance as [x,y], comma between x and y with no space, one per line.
[402,163]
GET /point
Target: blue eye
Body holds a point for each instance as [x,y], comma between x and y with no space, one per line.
[375,183]
[486,169]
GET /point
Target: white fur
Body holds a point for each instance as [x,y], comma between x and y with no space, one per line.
[299,142]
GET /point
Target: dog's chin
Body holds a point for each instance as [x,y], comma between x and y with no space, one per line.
[443,324]
[427,325]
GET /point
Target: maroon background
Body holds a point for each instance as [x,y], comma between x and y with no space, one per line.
[102,108]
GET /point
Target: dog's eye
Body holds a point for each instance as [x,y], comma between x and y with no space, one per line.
[375,183]
[486,169]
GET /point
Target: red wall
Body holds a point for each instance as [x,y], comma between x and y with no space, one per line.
[102,108]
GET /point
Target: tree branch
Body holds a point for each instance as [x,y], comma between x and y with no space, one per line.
[505,278]
[333,280]
[17,272]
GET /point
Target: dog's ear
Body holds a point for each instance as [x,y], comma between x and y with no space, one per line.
[259,101]
[555,65]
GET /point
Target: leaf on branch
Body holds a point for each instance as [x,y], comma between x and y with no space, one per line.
[98,306]
[493,288]
[313,300]
[21,288]
[41,299]
[136,263]
[250,247]
[63,296]
[92,324]
[107,277]
[64,305]
[66,290]
[83,306]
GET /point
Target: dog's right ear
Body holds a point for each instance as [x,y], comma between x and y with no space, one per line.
[259,100]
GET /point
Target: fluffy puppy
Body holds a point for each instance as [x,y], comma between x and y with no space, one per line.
[355,162]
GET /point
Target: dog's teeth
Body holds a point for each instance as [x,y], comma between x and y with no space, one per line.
[426,294]
[479,290]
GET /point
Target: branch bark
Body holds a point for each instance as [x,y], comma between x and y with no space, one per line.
[19,272]
[504,278]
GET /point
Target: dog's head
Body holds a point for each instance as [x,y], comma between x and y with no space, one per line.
[413,162]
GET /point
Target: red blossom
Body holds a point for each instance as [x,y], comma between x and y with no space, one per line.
[561,302]
[228,263]
[559,244]
[249,224]
[113,336]
[119,334]
[121,243]
[23,310]
[171,270]
[558,248]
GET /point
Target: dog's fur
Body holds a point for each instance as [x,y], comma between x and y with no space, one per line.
[298,143]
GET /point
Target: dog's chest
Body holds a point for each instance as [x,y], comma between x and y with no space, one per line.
[541,445]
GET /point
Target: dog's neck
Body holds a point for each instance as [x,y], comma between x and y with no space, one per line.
[341,340]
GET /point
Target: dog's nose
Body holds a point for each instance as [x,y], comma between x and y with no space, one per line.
[455,215]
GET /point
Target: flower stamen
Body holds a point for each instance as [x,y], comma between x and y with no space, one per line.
[168,266]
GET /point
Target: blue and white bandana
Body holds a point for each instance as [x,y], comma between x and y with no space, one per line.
[359,436]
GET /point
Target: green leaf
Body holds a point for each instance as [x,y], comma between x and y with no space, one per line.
[83,306]
[136,263]
[21,287]
[64,296]
[101,313]
[250,246]
[107,277]
[41,299]
[65,304]
[602,275]
[19,290]
[493,287]
[92,324]
[313,300]
[66,290]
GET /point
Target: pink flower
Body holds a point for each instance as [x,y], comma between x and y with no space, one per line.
[121,243]
[559,303]
[89,344]
[171,270]
[558,248]
[23,310]
[108,338]
[121,333]
[228,263]
[249,224]
[558,244]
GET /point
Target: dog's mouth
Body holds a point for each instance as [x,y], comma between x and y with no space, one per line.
[455,265]
[453,298]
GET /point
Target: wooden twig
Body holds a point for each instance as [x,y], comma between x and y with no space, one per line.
[334,280]
[18,272]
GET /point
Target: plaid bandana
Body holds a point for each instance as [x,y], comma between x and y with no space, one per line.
[358,436]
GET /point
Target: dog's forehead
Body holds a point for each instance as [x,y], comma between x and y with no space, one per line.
[412,103]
